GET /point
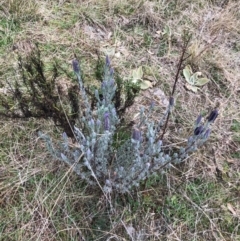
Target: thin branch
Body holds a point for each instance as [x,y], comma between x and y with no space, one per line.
[181,60]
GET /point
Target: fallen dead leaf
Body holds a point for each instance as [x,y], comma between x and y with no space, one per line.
[230,160]
[231,209]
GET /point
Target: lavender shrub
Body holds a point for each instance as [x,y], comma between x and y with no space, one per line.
[95,159]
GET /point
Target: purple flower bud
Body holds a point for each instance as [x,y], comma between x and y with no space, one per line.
[198,130]
[207,134]
[136,134]
[171,101]
[198,121]
[106,121]
[213,116]
[107,61]
[75,66]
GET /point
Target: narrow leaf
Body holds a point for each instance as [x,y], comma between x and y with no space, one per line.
[64,158]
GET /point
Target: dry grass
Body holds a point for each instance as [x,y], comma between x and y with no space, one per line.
[41,199]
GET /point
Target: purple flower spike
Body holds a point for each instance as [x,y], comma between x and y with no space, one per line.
[171,101]
[213,116]
[106,121]
[198,130]
[136,134]
[198,121]
[107,61]
[75,66]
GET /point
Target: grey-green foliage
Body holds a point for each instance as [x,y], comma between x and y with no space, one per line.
[94,156]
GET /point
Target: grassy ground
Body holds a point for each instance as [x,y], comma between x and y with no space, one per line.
[41,199]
